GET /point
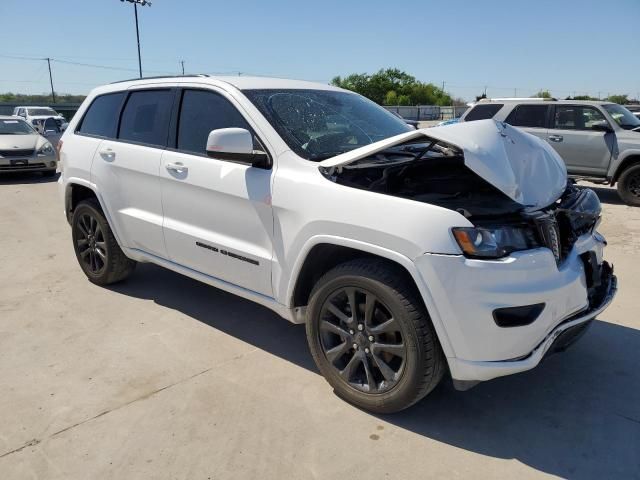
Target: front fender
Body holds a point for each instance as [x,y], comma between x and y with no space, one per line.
[287,288]
[627,157]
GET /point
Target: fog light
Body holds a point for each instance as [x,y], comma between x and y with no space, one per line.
[517,316]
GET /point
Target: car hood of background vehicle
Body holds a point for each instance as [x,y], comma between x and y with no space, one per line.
[19,142]
[520,165]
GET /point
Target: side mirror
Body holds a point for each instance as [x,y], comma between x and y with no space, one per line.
[235,145]
[602,126]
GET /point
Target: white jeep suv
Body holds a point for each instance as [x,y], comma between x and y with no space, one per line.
[408,253]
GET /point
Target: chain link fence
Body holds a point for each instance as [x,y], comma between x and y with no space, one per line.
[428,112]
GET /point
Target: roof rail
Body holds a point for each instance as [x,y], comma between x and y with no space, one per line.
[516,99]
[161,76]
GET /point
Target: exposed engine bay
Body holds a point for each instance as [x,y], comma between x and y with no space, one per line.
[429,172]
[434,172]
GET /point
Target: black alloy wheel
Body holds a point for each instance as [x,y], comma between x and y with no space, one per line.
[98,253]
[371,336]
[91,244]
[361,340]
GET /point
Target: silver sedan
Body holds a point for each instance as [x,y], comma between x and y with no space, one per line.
[23,149]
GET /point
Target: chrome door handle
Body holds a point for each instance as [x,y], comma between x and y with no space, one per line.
[177,167]
[108,154]
[555,138]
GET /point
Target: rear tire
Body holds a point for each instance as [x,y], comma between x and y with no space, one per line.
[98,253]
[629,185]
[386,356]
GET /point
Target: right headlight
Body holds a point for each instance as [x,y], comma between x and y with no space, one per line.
[46,150]
[494,242]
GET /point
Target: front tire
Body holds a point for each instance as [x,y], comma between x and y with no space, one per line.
[371,337]
[629,185]
[98,253]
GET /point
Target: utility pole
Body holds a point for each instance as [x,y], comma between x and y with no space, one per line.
[142,3]
[53,93]
[182,63]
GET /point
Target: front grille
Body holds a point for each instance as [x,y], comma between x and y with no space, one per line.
[577,213]
[15,152]
[549,233]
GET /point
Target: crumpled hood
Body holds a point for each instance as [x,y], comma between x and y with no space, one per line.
[523,167]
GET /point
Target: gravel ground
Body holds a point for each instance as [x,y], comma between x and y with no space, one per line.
[163,377]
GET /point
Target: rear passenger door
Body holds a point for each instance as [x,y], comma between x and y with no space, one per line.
[217,214]
[126,169]
[533,119]
[584,150]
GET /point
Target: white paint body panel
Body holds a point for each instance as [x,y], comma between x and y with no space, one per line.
[275,217]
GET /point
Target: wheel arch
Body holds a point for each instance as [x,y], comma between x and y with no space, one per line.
[626,162]
[78,189]
[321,254]
[75,191]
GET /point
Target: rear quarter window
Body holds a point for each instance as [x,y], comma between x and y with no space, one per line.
[483,112]
[101,118]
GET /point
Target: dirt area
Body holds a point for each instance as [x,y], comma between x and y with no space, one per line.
[163,377]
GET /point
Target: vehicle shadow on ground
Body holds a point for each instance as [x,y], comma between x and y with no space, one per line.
[575,416]
[26,178]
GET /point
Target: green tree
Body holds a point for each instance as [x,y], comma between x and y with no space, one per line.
[392,86]
[581,97]
[543,94]
[621,99]
[44,99]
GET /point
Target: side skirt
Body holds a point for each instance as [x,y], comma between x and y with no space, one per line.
[269,302]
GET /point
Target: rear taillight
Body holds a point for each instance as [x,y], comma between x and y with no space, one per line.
[58,148]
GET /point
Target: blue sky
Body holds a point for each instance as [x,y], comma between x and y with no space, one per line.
[511,47]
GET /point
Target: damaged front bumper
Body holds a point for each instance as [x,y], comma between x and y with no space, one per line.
[467,292]
[557,340]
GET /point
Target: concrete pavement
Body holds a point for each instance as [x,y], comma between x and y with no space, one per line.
[163,377]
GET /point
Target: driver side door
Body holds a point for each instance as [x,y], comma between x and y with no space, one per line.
[217,213]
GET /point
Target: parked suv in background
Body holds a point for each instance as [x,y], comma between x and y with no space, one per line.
[407,253]
[36,116]
[598,141]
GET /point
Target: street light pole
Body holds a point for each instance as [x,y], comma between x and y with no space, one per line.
[142,3]
[53,93]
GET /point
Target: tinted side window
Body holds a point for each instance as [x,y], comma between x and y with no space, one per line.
[145,118]
[482,112]
[201,112]
[575,117]
[534,116]
[101,118]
